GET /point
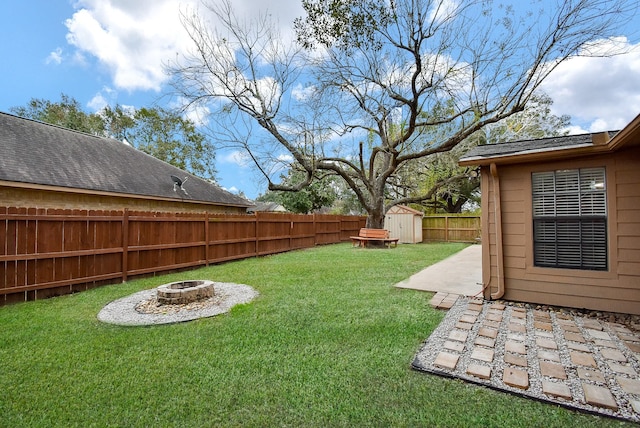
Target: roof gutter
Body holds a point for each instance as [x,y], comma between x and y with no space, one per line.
[497,213]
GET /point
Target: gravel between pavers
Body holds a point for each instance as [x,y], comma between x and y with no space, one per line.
[434,344]
[123,311]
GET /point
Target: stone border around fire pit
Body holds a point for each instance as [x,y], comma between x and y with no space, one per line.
[123,311]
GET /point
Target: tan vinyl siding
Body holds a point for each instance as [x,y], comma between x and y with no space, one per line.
[618,288]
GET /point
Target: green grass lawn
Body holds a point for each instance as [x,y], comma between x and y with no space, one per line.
[328,342]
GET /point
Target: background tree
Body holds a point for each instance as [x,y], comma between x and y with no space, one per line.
[161,133]
[173,139]
[66,113]
[375,86]
[317,195]
[457,186]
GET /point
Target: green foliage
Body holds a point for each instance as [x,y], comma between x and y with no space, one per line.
[454,187]
[66,113]
[319,194]
[158,132]
[173,139]
[345,24]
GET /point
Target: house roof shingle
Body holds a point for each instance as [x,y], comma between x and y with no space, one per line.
[38,153]
[554,148]
[527,146]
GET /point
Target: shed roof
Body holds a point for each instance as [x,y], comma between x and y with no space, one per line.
[36,153]
[403,209]
[554,148]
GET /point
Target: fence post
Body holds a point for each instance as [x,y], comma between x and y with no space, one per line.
[257,215]
[206,238]
[446,228]
[125,244]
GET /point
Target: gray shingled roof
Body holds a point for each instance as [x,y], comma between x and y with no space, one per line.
[528,146]
[39,153]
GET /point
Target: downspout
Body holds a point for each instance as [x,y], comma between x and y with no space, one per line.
[497,213]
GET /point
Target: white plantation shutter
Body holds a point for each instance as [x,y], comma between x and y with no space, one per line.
[569,219]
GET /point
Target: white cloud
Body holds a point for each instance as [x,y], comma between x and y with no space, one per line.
[443,10]
[98,102]
[285,158]
[300,93]
[236,157]
[55,57]
[598,93]
[134,39]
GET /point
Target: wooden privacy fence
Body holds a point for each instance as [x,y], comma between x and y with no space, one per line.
[444,228]
[47,252]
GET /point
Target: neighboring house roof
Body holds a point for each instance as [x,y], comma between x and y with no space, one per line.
[268,207]
[554,148]
[37,153]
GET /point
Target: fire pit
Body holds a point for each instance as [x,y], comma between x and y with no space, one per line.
[182,292]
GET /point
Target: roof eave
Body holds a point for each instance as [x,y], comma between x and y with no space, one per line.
[556,153]
[74,190]
[629,136]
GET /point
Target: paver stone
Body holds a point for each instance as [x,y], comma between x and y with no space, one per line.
[574,337]
[480,371]
[460,336]
[550,369]
[556,389]
[453,345]
[613,354]
[485,341]
[446,360]
[516,378]
[541,325]
[483,354]
[519,328]
[515,347]
[582,359]
[619,368]
[464,325]
[516,360]
[630,386]
[588,374]
[488,332]
[599,396]
[598,334]
[549,355]
[544,342]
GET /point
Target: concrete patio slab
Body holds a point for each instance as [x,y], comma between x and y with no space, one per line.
[459,274]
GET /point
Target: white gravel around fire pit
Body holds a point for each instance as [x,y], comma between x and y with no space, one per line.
[141,308]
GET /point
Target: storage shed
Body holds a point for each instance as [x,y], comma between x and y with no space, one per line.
[404,223]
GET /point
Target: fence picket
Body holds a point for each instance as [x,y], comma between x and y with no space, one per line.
[50,252]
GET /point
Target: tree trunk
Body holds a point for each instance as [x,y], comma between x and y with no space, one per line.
[375,219]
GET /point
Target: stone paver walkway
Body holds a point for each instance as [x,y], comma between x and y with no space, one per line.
[562,357]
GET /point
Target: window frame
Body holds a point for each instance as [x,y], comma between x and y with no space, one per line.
[567,233]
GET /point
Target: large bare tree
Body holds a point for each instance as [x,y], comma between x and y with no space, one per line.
[371,86]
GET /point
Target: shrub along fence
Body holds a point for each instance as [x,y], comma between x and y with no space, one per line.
[48,252]
[450,228]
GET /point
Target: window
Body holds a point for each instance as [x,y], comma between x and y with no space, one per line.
[570,219]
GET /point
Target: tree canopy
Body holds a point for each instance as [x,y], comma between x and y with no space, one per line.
[373,87]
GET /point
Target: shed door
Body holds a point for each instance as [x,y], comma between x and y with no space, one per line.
[400,226]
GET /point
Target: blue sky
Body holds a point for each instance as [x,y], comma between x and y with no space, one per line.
[112,51]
